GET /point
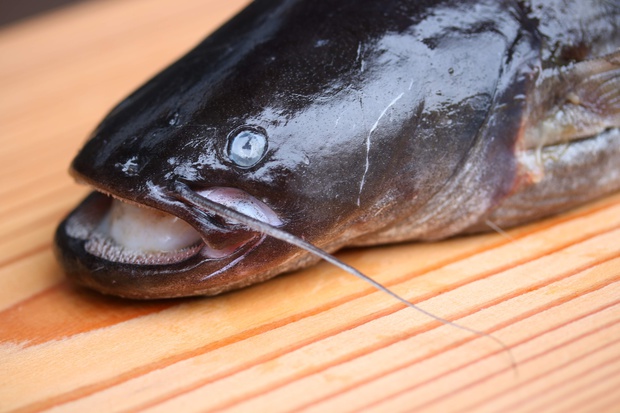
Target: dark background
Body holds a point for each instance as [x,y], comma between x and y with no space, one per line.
[15,10]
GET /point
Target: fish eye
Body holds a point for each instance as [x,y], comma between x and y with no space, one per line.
[247,147]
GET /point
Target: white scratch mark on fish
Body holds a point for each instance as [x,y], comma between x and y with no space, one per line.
[374,127]
[299,95]
[359,57]
[411,84]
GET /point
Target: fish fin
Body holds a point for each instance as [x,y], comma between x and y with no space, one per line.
[573,102]
[599,86]
[560,178]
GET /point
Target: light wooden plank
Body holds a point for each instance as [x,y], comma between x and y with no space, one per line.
[317,340]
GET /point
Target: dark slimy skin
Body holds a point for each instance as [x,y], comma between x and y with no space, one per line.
[384,121]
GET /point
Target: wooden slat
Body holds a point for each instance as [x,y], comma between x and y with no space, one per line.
[317,340]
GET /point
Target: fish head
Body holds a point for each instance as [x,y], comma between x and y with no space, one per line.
[135,236]
[237,131]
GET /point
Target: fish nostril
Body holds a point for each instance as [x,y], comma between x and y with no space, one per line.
[131,167]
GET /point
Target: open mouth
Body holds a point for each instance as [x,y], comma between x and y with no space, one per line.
[124,232]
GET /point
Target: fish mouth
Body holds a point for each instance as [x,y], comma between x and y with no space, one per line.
[121,231]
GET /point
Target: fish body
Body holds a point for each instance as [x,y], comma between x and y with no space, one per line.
[346,123]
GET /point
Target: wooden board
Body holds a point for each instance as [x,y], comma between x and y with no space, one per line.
[313,341]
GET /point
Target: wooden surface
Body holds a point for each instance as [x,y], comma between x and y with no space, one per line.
[317,340]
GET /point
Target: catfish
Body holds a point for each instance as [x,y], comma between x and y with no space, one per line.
[301,127]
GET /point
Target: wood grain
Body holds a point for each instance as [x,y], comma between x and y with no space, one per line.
[313,341]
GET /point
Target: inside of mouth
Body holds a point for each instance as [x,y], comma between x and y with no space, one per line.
[126,233]
[129,233]
[148,230]
[120,232]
